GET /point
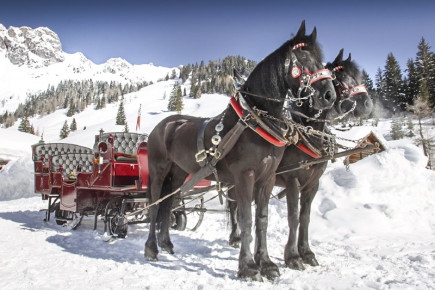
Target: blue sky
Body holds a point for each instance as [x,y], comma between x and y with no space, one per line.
[170,33]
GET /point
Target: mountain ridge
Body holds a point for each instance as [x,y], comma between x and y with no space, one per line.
[32,60]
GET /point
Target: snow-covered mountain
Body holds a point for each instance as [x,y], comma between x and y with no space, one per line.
[33,59]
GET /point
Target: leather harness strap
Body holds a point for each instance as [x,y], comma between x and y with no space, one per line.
[200,143]
[260,131]
[310,150]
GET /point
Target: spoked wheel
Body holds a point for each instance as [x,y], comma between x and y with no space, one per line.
[117,223]
[67,218]
[192,208]
[61,216]
[179,220]
[195,213]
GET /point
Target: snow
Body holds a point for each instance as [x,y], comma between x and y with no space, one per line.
[371,227]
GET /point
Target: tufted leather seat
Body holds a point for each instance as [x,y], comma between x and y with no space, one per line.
[71,163]
[51,149]
[123,142]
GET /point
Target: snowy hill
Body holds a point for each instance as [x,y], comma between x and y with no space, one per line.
[371,227]
[32,59]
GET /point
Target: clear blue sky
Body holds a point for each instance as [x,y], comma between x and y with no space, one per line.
[170,33]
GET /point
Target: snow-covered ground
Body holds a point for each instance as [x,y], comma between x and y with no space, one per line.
[371,227]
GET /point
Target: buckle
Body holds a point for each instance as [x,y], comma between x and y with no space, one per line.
[201,156]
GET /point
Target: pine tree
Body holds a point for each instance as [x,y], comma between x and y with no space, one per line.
[176,99]
[24,125]
[198,92]
[174,74]
[412,82]
[410,127]
[73,126]
[367,81]
[120,117]
[396,129]
[425,66]
[393,84]
[71,110]
[64,132]
[380,83]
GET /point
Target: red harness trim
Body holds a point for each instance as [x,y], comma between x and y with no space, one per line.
[308,151]
[260,131]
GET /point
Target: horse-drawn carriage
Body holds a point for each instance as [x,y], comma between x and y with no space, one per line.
[108,181]
[271,129]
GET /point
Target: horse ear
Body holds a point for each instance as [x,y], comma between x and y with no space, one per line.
[349,58]
[339,57]
[301,31]
[313,35]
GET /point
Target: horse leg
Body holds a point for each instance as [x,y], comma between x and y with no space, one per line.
[175,180]
[163,218]
[267,267]
[155,186]
[234,240]
[291,253]
[151,250]
[307,197]
[243,192]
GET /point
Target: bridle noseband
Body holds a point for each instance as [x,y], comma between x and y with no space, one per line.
[346,93]
[306,79]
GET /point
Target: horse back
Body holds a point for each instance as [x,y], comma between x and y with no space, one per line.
[174,140]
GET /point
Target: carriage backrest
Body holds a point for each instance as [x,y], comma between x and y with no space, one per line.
[51,149]
[72,162]
[123,142]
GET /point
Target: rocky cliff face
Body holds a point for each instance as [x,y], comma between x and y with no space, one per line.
[32,47]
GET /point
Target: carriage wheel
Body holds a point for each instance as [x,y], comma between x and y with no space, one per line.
[198,212]
[67,218]
[118,223]
[61,216]
[179,220]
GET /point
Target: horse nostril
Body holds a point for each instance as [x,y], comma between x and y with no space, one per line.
[328,96]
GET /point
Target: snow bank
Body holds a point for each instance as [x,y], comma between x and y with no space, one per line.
[371,227]
[16,179]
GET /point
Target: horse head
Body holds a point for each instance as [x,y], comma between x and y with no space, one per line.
[352,94]
[307,78]
[294,72]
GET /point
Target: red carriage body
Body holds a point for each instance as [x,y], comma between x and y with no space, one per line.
[80,180]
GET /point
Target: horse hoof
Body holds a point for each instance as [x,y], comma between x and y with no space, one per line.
[167,249]
[311,260]
[166,246]
[234,242]
[270,272]
[150,254]
[250,275]
[295,264]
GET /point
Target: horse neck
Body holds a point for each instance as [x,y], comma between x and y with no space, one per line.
[267,81]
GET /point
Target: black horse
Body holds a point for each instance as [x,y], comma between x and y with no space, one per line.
[174,150]
[352,98]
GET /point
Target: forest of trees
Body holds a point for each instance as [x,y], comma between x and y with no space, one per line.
[72,95]
[216,76]
[394,91]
